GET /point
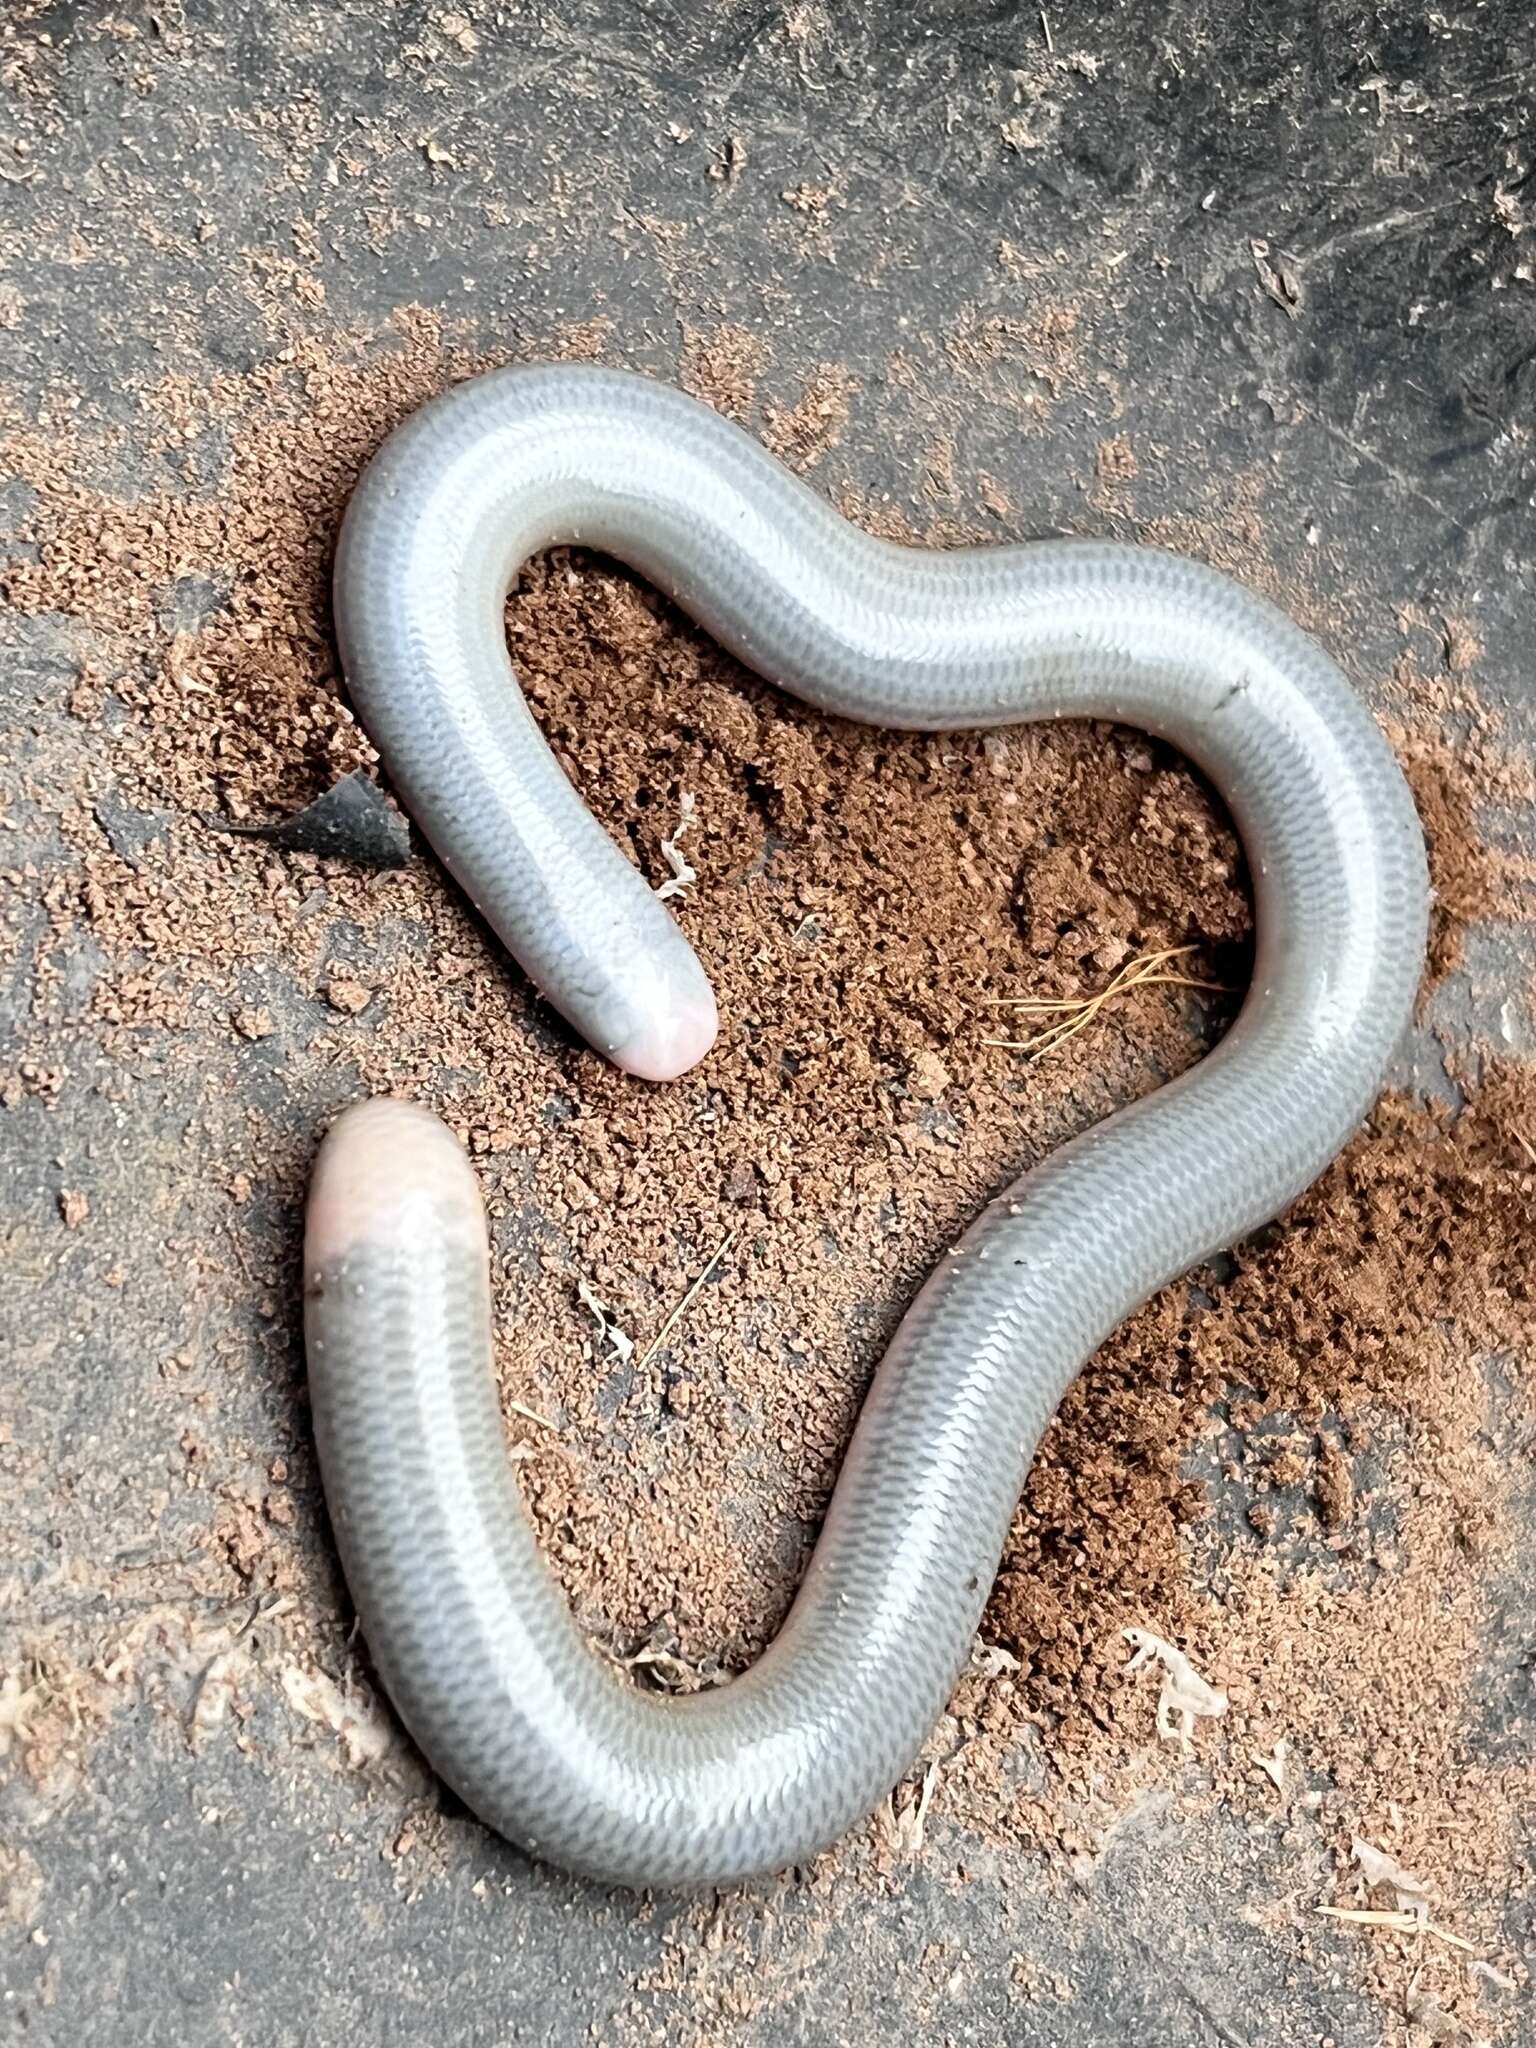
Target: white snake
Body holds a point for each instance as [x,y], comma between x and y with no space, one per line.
[464,1620]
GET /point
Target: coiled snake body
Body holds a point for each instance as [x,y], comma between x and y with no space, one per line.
[468,1628]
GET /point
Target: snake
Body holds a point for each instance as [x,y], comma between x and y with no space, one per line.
[536,1730]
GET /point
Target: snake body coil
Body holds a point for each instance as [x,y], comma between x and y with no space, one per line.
[464,1620]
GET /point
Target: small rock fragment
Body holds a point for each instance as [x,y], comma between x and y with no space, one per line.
[927,1075]
[349,996]
[1276,1766]
[991,1660]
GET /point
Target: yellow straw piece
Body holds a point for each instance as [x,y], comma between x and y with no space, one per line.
[672,1320]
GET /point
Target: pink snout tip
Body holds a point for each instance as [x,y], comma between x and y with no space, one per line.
[672,1044]
[389,1173]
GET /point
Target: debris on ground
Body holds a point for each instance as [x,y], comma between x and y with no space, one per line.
[363,1728]
[1185,1696]
[905,1816]
[621,1345]
[1378,1868]
[683,875]
[354,821]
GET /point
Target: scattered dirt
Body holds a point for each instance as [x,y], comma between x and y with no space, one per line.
[1116,460]
[1458,767]
[802,433]
[721,366]
[1299,1467]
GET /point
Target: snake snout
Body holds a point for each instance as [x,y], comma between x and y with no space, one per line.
[672,1042]
[389,1173]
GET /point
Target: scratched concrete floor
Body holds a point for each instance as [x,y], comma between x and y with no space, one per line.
[1377,365]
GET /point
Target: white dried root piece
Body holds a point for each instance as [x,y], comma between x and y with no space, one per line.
[365,1733]
[1413,1894]
[1409,1912]
[623,1346]
[1185,1697]
[906,1823]
[683,875]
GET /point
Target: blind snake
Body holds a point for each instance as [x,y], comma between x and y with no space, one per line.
[469,1631]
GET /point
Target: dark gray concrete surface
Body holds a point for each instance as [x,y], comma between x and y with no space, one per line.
[1297,242]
